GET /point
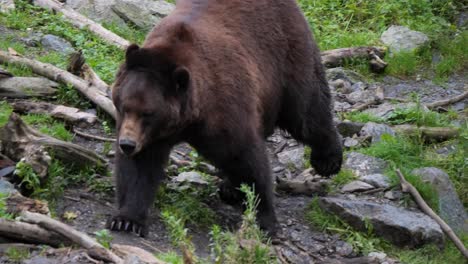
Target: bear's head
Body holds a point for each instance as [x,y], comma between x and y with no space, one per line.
[151,98]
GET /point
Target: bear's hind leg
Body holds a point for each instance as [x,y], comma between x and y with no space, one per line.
[136,179]
[244,163]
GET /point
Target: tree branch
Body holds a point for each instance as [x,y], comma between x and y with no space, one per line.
[409,188]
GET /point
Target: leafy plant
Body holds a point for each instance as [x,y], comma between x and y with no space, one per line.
[17,255]
[29,179]
[104,238]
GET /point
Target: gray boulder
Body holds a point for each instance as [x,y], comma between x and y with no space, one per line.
[54,43]
[400,38]
[375,131]
[6,187]
[7,5]
[450,207]
[349,129]
[362,165]
[190,177]
[377,180]
[293,157]
[356,186]
[142,13]
[398,225]
[97,10]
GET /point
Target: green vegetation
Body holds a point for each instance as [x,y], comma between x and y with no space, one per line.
[5,112]
[29,179]
[17,255]
[189,204]
[104,238]
[102,57]
[248,245]
[48,125]
[417,115]
[343,177]
[340,24]
[3,209]
[366,242]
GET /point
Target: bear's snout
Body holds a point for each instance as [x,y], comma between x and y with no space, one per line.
[127,146]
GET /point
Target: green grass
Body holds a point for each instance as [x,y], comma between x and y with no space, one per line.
[5,112]
[101,56]
[3,207]
[362,242]
[189,205]
[248,245]
[340,24]
[48,125]
[343,177]
[361,117]
[17,255]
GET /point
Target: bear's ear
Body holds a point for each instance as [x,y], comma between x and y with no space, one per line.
[131,50]
[181,78]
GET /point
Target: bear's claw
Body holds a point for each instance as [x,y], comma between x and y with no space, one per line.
[123,224]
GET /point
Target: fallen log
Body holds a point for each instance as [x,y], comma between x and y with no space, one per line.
[26,87]
[306,187]
[80,21]
[30,233]
[409,188]
[68,114]
[78,67]
[47,70]
[336,57]
[18,140]
[73,235]
[429,133]
[143,255]
[448,101]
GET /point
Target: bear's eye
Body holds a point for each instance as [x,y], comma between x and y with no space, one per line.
[147,115]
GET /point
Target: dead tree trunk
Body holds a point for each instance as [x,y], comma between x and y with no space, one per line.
[68,114]
[47,70]
[19,141]
[336,57]
[26,87]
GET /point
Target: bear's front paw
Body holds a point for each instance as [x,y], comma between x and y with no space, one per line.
[229,194]
[123,223]
[327,164]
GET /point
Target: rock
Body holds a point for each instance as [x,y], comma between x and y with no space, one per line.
[97,10]
[450,207]
[349,129]
[446,150]
[361,96]
[377,180]
[341,86]
[462,21]
[343,249]
[32,40]
[142,13]
[340,73]
[359,86]
[393,195]
[398,225]
[293,157]
[380,256]
[375,131]
[386,109]
[341,106]
[6,187]
[54,43]
[363,165]
[190,177]
[400,38]
[350,142]
[6,5]
[356,186]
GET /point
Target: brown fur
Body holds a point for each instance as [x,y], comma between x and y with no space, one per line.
[221,75]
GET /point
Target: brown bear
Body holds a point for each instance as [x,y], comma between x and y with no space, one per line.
[220,75]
